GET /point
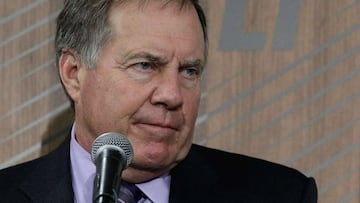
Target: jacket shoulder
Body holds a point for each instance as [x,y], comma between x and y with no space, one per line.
[239,162]
[228,161]
[230,175]
[38,179]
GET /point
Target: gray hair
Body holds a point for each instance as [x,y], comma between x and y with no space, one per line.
[83,27]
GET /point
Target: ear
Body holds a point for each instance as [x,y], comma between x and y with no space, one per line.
[69,70]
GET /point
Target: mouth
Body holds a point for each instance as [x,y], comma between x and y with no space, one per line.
[166,126]
[156,129]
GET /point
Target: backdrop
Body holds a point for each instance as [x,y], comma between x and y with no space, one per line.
[282,84]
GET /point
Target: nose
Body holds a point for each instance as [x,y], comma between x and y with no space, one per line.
[167,92]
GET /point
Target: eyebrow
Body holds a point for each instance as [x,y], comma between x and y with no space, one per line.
[192,63]
[148,56]
[162,60]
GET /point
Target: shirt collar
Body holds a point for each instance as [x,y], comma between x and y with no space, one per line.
[83,171]
[157,189]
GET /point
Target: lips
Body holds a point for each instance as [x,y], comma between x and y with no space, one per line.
[159,131]
[157,122]
[156,128]
[161,126]
[172,126]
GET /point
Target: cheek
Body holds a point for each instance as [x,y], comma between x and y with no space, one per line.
[191,106]
[109,104]
[190,111]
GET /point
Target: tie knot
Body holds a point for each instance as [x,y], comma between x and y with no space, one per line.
[129,193]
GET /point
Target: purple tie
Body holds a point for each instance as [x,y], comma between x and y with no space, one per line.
[129,193]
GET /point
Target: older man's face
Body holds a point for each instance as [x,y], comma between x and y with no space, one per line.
[146,86]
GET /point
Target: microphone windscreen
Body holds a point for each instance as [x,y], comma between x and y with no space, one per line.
[113,139]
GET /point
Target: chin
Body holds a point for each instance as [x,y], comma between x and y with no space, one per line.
[145,167]
[136,175]
[156,161]
[152,162]
[144,170]
[154,154]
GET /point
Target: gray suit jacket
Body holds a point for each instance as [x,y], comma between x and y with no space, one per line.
[206,175]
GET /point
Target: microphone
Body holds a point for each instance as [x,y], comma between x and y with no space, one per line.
[111,153]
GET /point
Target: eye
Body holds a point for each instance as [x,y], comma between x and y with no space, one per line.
[141,70]
[191,73]
[143,66]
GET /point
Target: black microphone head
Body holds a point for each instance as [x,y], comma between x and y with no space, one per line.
[116,140]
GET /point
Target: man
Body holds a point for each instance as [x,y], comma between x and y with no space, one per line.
[134,67]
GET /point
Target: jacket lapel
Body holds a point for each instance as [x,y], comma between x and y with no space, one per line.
[43,186]
[193,180]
